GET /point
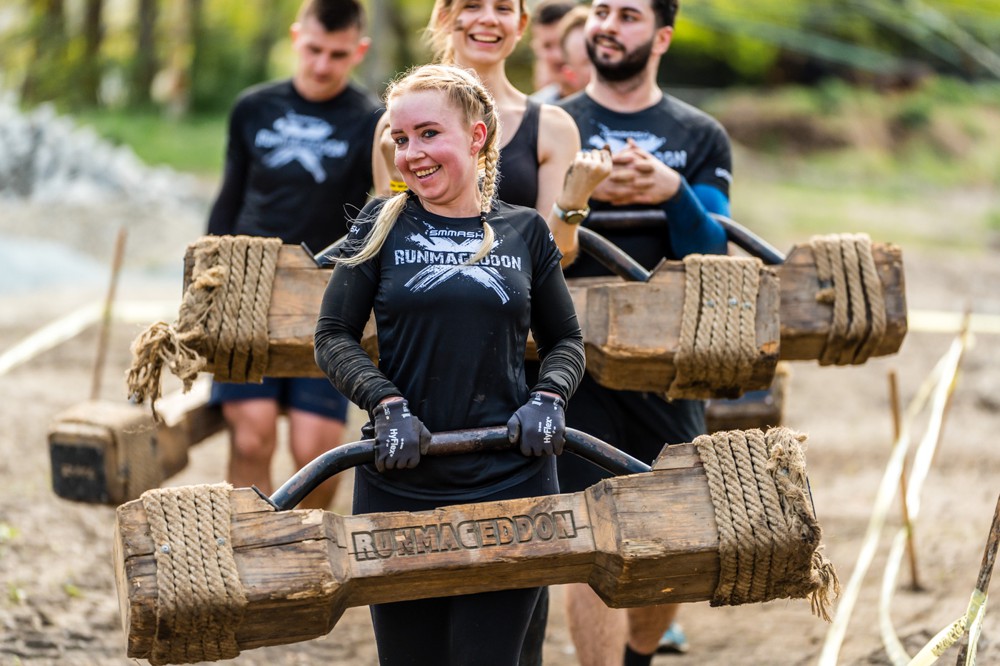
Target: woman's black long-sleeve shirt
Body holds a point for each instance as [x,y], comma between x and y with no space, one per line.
[452,336]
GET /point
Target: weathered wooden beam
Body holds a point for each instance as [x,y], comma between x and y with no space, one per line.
[107,452]
[647,538]
[631,330]
[92,442]
[754,409]
[806,322]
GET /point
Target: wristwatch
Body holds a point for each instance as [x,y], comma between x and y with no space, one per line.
[575,216]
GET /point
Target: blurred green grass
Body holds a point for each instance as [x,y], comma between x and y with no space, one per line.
[915,167]
[196,144]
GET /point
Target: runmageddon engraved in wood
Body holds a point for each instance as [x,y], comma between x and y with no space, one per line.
[444,537]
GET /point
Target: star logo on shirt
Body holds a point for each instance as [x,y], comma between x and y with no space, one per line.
[303,139]
[455,256]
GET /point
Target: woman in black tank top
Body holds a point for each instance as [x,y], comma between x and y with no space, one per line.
[519,161]
[540,142]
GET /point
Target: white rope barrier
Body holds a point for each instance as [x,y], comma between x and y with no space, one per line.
[975,613]
[937,381]
[71,325]
[942,321]
[923,457]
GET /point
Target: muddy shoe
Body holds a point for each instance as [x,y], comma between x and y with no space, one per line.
[673,641]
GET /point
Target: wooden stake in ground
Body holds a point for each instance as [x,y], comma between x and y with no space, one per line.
[967,655]
[105,330]
[897,426]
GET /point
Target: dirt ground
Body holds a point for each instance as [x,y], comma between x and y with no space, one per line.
[58,603]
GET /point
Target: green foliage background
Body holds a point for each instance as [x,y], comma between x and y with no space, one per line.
[845,115]
[226,45]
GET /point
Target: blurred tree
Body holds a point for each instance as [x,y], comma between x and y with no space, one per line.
[177,79]
[270,27]
[198,54]
[90,65]
[803,41]
[395,27]
[145,62]
[45,73]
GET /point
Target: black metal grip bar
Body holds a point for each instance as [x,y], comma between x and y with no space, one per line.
[607,253]
[451,443]
[618,220]
[611,256]
[749,241]
[326,257]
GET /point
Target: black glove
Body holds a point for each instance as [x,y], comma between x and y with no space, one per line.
[541,425]
[398,436]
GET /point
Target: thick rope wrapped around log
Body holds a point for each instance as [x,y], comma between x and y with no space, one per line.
[222,323]
[769,538]
[200,599]
[849,281]
[717,347]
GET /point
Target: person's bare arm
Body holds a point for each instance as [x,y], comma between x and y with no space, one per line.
[383,167]
[566,175]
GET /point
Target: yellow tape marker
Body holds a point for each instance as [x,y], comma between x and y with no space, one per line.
[950,634]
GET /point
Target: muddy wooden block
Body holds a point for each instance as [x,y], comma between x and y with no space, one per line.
[806,319]
[763,408]
[107,452]
[287,576]
[631,330]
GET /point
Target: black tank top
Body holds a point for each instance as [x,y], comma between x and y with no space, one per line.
[519,161]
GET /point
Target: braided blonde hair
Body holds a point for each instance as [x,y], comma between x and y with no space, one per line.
[466,93]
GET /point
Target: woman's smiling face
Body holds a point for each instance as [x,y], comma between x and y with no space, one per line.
[486,31]
[437,151]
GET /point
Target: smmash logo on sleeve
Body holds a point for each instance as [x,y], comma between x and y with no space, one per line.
[445,254]
[302,139]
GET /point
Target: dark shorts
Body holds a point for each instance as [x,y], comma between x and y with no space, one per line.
[308,394]
[637,422]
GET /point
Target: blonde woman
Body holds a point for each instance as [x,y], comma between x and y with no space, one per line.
[541,165]
[456,280]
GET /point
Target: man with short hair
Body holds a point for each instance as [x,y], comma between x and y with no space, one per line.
[298,165]
[667,155]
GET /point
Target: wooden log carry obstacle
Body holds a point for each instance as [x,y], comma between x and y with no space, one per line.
[110,452]
[91,442]
[250,308]
[205,572]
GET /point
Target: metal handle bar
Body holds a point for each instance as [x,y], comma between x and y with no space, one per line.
[326,257]
[607,253]
[611,256]
[744,238]
[474,440]
[615,220]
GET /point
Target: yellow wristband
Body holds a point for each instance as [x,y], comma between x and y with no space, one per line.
[397,186]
